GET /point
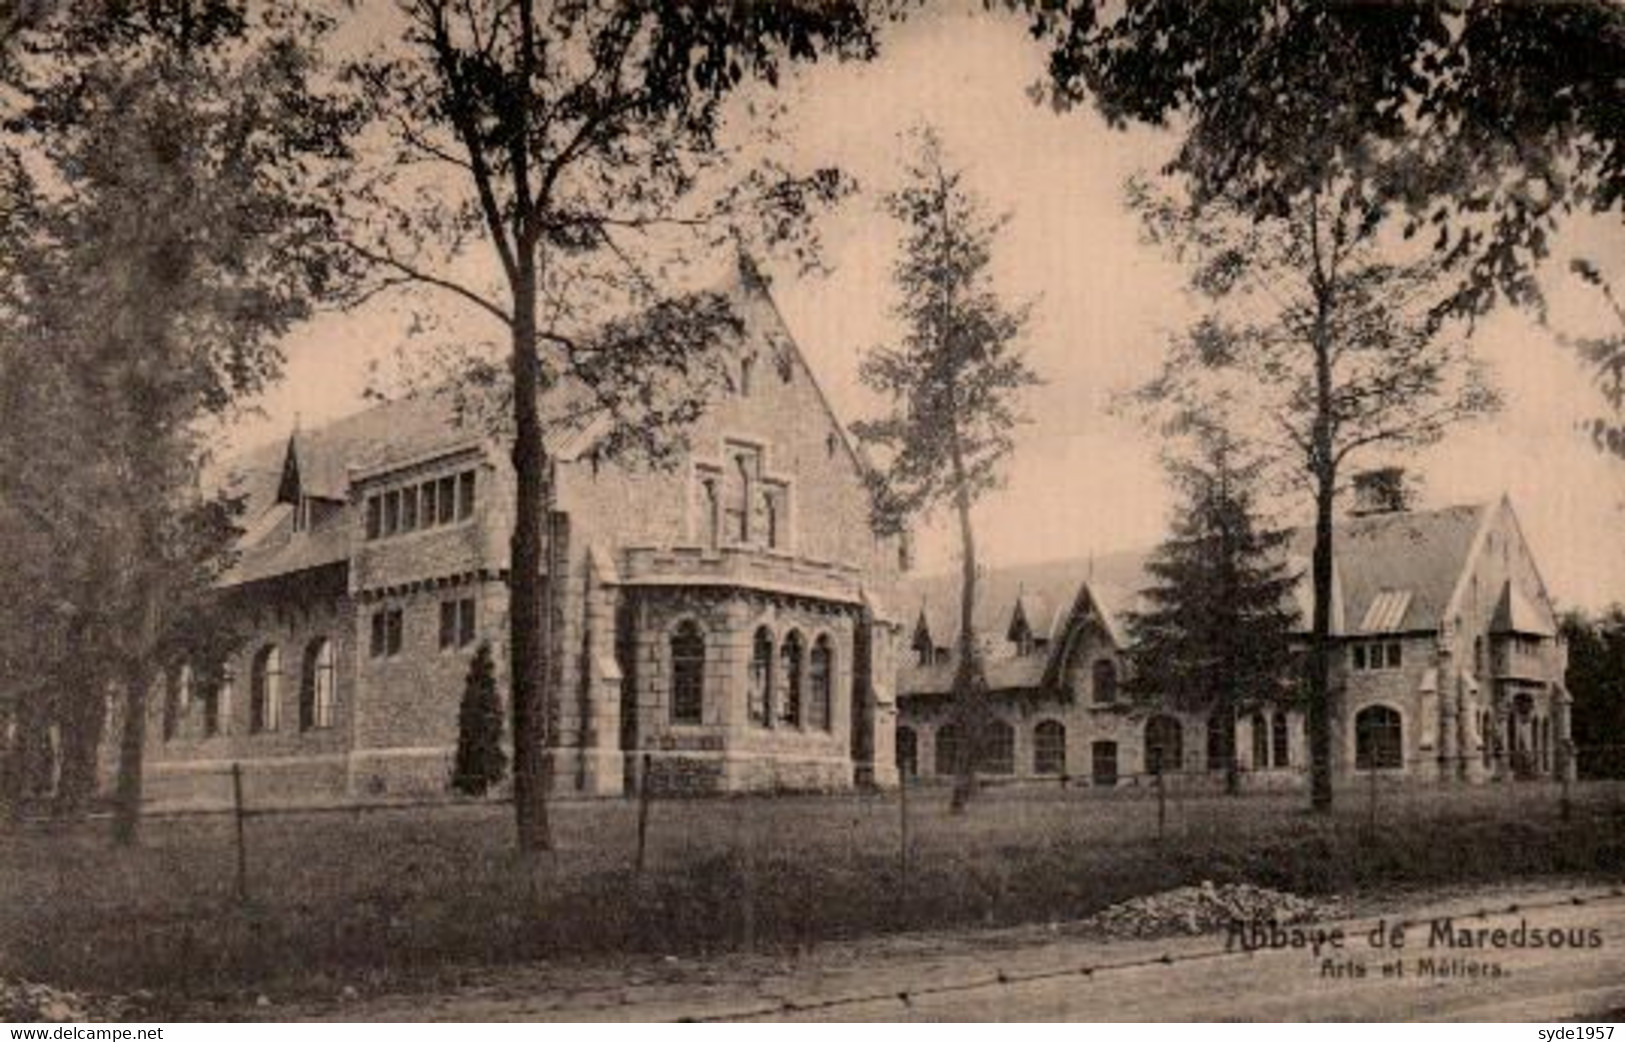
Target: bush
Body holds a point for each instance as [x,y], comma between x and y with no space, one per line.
[481,762]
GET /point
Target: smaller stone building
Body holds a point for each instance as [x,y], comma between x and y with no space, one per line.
[1447,665]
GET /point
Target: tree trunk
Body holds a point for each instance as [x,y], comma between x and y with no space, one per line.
[529,619]
[1320,662]
[83,712]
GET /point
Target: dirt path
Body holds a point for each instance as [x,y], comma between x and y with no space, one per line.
[957,976]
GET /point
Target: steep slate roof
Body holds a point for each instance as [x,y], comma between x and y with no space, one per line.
[1395,573]
[1423,552]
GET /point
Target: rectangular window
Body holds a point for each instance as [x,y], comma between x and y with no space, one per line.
[465,495]
[1393,654]
[409,509]
[392,513]
[448,500]
[430,515]
[1359,656]
[375,517]
[386,633]
[456,623]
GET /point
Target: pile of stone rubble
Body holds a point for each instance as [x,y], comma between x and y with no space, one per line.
[1206,909]
[24,1002]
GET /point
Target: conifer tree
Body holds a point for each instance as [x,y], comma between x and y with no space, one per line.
[1216,632]
[481,762]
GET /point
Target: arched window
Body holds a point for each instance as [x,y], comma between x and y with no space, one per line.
[1221,741]
[1378,739]
[947,755]
[1261,741]
[1164,745]
[820,683]
[1278,738]
[316,686]
[908,752]
[791,657]
[265,691]
[760,694]
[999,752]
[687,674]
[1104,675]
[1049,747]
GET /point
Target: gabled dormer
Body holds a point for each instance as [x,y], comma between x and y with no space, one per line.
[307,485]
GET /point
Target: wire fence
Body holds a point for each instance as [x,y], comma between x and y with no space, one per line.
[434,878]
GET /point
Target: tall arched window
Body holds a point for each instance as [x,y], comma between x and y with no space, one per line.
[820,683]
[316,686]
[947,754]
[1278,738]
[1378,739]
[999,751]
[790,656]
[908,752]
[760,693]
[1104,675]
[688,674]
[1261,741]
[1049,747]
[217,701]
[265,690]
[1164,745]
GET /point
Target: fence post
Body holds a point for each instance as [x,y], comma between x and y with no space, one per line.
[1162,804]
[1371,811]
[242,841]
[644,798]
[902,844]
[747,910]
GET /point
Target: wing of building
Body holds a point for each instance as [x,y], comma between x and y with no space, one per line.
[1446,663]
[724,619]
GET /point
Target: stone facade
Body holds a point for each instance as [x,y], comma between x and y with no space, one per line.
[387,535]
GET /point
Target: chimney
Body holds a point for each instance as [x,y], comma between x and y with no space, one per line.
[1380,491]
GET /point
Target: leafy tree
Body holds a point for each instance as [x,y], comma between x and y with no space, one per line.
[480,762]
[955,382]
[1317,340]
[1216,634]
[163,240]
[1596,679]
[1498,121]
[575,148]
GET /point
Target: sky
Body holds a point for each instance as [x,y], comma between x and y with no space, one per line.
[1083,478]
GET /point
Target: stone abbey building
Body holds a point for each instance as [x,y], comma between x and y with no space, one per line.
[1447,664]
[724,618]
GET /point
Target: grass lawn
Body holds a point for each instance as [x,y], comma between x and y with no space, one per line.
[396,893]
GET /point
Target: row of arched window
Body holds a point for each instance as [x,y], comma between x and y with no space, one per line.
[1164,747]
[318,692]
[790,685]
